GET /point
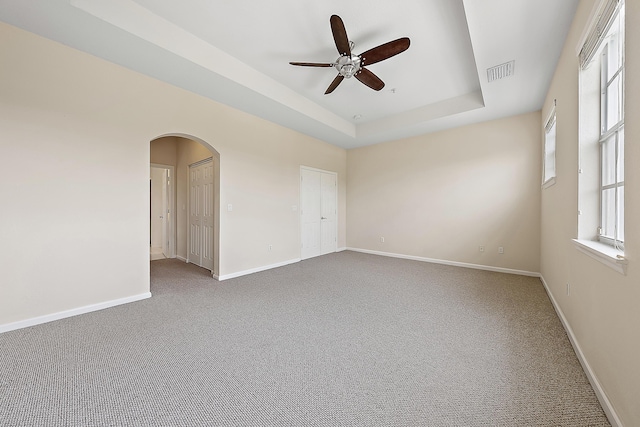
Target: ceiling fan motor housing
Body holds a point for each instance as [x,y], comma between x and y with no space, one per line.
[348,66]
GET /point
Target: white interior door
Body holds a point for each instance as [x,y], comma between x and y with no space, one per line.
[156,209]
[162,208]
[318,212]
[328,207]
[201,217]
[310,213]
[165,220]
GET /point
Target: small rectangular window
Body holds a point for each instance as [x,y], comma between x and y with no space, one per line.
[549,159]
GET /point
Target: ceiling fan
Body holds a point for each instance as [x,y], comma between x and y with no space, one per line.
[349,65]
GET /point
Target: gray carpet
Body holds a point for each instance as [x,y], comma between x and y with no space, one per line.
[345,339]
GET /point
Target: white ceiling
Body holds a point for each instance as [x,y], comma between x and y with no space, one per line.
[238,52]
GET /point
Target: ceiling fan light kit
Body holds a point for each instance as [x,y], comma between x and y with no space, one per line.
[349,65]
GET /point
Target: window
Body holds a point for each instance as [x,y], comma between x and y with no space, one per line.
[601,125]
[549,167]
[611,229]
[602,128]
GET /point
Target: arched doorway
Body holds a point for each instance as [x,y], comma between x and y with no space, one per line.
[183,152]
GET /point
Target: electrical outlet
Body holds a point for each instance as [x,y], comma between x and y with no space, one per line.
[500,250]
[481,248]
[382,240]
[270,247]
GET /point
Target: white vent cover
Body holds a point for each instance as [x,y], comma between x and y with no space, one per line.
[500,71]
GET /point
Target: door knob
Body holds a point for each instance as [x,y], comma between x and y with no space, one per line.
[322,217]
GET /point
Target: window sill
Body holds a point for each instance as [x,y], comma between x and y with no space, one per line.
[606,254]
[548,183]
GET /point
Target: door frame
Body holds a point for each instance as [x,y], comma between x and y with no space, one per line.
[309,168]
[171,225]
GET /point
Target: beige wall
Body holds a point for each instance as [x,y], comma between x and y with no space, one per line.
[443,195]
[602,308]
[75,177]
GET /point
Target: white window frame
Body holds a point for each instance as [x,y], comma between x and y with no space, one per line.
[549,151]
[595,164]
[612,94]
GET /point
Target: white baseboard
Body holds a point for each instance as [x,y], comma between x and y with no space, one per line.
[257,269]
[69,313]
[607,407]
[341,249]
[183,259]
[445,262]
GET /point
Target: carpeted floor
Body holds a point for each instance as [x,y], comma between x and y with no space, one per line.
[346,339]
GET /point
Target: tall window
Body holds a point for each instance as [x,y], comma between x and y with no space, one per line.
[603,54]
[549,172]
[612,134]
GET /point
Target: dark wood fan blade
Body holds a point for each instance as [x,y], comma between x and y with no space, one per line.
[385,51]
[369,79]
[340,35]
[310,64]
[334,84]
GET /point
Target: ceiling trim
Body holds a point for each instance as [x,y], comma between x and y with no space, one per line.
[229,53]
[447,107]
[139,21]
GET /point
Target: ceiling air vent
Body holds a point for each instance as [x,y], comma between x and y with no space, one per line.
[500,71]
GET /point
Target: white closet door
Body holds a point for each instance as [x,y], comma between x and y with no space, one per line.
[201,214]
[207,217]
[195,217]
[318,212]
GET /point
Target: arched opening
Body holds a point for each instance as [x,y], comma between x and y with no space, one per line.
[195,210]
